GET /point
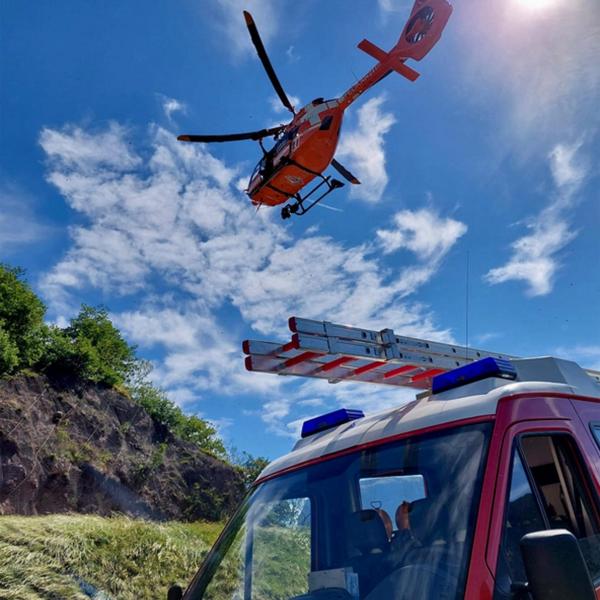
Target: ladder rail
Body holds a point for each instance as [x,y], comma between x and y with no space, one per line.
[384,343]
[325,350]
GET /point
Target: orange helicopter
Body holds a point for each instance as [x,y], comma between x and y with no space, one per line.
[305,147]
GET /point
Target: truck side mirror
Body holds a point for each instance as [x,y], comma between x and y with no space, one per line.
[175,593]
[555,566]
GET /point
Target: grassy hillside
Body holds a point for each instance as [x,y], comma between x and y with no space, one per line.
[64,557]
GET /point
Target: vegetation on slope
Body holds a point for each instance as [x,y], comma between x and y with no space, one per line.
[91,349]
[78,557]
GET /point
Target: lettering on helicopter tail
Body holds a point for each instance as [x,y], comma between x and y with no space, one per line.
[423,29]
[419,25]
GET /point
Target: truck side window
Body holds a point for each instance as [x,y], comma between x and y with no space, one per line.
[522,516]
[559,477]
[596,432]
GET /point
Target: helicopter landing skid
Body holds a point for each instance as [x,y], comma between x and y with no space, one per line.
[298,207]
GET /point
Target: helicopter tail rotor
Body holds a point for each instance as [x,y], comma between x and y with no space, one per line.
[423,29]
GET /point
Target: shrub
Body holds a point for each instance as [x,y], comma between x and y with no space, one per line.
[9,354]
[61,355]
[90,348]
[249,466]
[189,428]
[22,322]
[105,355]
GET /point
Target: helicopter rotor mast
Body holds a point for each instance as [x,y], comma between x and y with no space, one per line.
[259,135]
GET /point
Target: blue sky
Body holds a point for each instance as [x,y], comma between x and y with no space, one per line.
[490,158]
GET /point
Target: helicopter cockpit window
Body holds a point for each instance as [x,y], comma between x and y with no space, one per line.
[284,140]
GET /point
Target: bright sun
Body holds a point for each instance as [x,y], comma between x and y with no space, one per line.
[536,4]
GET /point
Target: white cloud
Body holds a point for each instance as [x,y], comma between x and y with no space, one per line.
[84,152]
[567,169]
[231,22]
[19,225]
[426,234]
[534,259]
[279,108]
[178,223]
[393,6]
[291,54]
[362,150]
[171,105]
[285,414]
[423,232]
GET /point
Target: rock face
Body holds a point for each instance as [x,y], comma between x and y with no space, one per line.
[72,447]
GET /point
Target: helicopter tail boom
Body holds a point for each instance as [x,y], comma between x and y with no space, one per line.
[420,34]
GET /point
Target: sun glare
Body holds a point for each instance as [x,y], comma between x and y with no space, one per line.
[536,4]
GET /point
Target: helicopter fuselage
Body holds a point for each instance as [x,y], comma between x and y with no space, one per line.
[305,147]
[302,151]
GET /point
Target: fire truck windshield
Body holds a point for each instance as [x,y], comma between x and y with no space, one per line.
[392,522]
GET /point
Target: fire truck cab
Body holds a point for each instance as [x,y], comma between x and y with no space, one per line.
[486,486]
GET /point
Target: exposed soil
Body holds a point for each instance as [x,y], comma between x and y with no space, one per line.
[72,447]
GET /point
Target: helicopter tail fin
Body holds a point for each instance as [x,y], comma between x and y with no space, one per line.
[383,57]
[423,29]
[420,34]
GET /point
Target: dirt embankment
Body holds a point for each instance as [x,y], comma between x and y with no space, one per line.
[72,447]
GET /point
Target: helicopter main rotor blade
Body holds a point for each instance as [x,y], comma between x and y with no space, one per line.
[232,137]
[344,172]
[262,54]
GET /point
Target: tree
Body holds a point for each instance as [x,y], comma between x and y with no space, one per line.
[203,434]
[105,355]
[90,348]
[22,328]
[250,466]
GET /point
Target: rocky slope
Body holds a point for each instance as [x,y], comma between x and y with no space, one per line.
[72,447]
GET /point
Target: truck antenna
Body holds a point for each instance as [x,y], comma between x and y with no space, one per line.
[467,307]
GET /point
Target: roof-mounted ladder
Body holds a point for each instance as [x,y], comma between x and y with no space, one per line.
[340,353]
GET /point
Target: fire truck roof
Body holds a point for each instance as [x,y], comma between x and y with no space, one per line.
[477,399]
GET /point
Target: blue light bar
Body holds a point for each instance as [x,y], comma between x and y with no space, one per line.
[329,420]
[475,371]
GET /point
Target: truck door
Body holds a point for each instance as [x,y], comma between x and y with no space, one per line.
[549,488]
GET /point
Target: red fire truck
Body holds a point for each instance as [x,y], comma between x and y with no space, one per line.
[485,486]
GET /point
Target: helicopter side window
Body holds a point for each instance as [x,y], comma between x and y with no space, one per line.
[260,166]
[285,139]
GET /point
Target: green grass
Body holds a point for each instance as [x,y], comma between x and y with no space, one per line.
[281,563]
[44,558]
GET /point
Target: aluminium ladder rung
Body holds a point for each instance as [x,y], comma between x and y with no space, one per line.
[340,353]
